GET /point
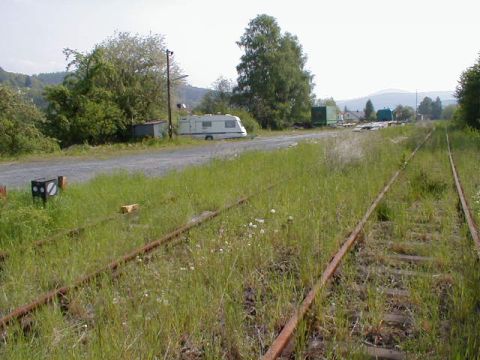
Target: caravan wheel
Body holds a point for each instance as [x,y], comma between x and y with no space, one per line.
[209,137]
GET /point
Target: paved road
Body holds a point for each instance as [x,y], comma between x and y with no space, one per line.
[155,163]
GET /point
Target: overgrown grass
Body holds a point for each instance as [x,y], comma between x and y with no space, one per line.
[221,291]
[444,303]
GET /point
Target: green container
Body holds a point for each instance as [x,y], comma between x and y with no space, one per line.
[384,115]
[324,115]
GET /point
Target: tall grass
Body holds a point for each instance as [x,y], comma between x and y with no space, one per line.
[444,304]
[221,291]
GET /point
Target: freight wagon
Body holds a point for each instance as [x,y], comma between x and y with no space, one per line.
[324,115]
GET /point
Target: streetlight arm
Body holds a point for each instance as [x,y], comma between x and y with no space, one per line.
[180,77]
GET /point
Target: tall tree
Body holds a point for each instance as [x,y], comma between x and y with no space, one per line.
[425,107]
[326,102]
[403,112]
[272,81]
[437,109]
[217,100]
[369,110]
[468,95]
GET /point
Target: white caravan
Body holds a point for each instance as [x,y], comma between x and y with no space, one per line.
[211,127]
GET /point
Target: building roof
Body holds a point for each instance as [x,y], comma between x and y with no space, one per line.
[152,122]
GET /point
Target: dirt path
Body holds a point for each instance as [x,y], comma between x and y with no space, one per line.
[156,163]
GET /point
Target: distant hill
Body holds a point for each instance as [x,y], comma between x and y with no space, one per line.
[31,85]
[191,95]
[392,98]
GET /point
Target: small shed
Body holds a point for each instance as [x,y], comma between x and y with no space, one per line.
[153,129]
[324,115]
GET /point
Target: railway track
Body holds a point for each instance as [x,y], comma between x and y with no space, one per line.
[378,252]
[377,314]
[112,267]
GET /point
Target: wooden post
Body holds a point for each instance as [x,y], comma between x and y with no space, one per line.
[127,209]
[62,182]
[3,192]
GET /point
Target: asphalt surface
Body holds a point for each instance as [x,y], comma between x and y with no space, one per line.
[155,163]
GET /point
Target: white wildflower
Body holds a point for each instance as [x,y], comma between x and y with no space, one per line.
[260,221]
[272,211]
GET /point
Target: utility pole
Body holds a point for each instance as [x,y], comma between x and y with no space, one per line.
[170,127]
[416,104]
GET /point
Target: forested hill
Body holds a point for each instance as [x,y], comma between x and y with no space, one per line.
[31,81]
[31,85]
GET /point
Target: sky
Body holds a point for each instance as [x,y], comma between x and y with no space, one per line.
[354,48]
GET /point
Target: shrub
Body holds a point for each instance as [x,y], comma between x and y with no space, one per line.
[20,123]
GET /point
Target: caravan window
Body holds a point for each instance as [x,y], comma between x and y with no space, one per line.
[206,124]
[230,124]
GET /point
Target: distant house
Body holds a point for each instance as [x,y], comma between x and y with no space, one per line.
[353,116]
[153,129]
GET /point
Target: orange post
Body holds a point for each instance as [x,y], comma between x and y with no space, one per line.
[62,182]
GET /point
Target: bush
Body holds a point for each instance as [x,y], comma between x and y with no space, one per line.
[20,123]
[248,121]
[468,95]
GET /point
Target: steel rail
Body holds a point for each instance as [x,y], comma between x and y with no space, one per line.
[110,268]
[70,232]
[286,334]
[472,226]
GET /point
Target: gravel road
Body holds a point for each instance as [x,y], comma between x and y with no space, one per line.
[155,163]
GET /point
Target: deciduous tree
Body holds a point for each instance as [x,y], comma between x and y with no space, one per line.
[20,125]
[404,112]
[425,107]
[448,111]
[121,82]
[437,109]
[219,99]
[369,110]
[468,95]
[273,83]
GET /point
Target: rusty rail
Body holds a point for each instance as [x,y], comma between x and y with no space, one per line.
[111,267]
[282,340]
[463,200]
[50,296]
[71,232]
